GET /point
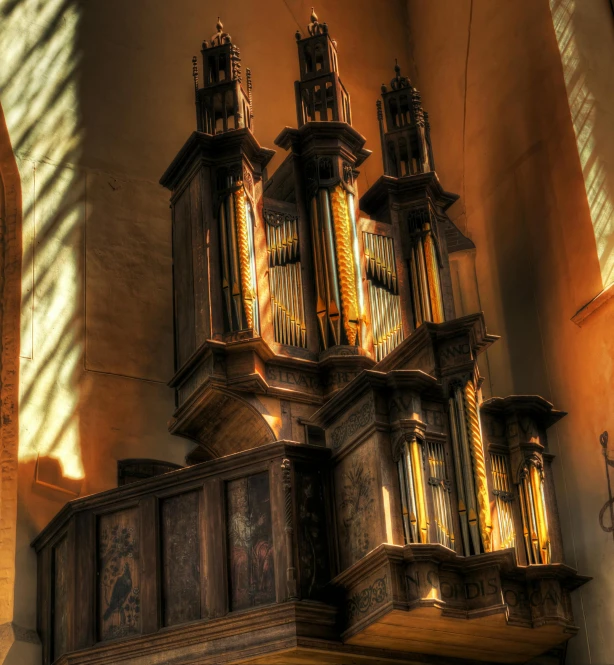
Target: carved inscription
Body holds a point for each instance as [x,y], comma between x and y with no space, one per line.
[454,354]
[250,541]
[358,419]
[119,575]
[364,600]
[535,598]
[180,559]
[297,380]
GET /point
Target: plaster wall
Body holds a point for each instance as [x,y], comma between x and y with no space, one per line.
[493,78]
[98,99]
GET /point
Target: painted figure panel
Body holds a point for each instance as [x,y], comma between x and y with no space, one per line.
[312,533]
[355,481]
[250,542]
[119,573]
[180,559]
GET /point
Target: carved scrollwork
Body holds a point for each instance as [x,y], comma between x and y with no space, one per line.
[356,421]
[362,601]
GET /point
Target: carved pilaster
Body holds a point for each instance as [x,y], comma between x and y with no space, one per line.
[291,586]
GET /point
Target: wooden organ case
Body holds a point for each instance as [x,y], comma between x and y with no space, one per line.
[350,498]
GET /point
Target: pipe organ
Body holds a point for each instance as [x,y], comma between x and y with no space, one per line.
[343,452]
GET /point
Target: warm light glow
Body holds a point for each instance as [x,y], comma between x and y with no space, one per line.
[584,111]
[39,95]
[387,515]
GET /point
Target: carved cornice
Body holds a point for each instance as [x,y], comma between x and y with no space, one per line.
[325,137]
[398,191]
[533,406]
[212,149]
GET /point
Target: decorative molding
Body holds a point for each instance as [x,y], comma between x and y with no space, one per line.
[357,420]
[362,601]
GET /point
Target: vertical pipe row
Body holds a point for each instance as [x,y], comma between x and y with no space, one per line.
[460,474]
[503,496]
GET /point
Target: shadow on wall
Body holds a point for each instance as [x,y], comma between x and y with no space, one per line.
[38,92]
[579,26]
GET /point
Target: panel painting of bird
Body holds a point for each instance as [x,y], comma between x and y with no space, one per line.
[121,591]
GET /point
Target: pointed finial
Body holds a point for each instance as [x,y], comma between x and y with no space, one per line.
[219,25]
[315,27]
[398,81]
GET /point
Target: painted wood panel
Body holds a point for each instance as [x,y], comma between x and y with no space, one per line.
[312,533]
[250,542]
[180,559]
[357,508]
[119,574]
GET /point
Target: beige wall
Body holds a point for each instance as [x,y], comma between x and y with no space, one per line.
[98,99]
[492,78]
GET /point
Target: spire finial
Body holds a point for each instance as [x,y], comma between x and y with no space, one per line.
[315,27]
[219,38]
[398,81]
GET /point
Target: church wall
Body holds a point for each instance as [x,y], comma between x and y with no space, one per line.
[98,99]
[493,78]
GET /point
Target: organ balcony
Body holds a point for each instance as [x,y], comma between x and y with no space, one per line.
[365,546]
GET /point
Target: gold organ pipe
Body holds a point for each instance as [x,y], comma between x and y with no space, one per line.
[432,268]
[460,486]
[319,271]
[404,500]
[345,262]
[424,287]
[411,494]
[468,476]
[234,261]
[225,263]
[479,464]
[247,288]
[415,282]
[332,282]
[416,459]
[540,510]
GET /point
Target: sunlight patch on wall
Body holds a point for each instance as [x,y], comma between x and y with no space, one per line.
[584,103]
[39,93]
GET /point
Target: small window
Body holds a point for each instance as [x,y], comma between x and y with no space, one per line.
[308,60]
[404,110]
[222,68]
[212,69]
[319,58]
[230,111]
[394,112]
[403,157]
